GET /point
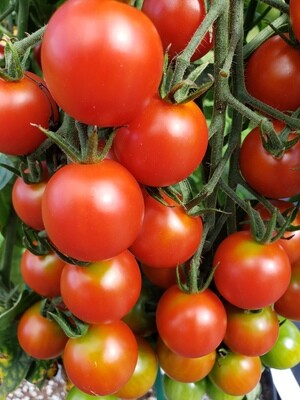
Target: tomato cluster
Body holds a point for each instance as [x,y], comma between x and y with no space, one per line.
[139,249]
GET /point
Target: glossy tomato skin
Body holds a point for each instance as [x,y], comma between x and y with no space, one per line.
[76,394]
[42,273]
[168,14]
[270,176]
[273,66]
[27,201]
[168,236]
[92,212]
[251,333]
[23,103]
[286,351]
[164,144]
[250,275]
[144,375]
[191,325]
[125,47]
[295,17]
[236,374]
[175,390]
[96,362]
[161,277]
[217,394]
[111,286]
[184,369]
[38,336]
[288,305]
[291,239]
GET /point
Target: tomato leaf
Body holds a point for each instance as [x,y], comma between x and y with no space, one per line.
[14,363]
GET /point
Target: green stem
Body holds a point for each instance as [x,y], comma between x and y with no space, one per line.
[7,12]
[23,12]
[8,247]
[29,41]
[277,4]
[183,60]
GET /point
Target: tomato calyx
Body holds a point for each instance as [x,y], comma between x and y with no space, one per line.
[54,310]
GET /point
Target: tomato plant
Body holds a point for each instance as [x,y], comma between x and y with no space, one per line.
[95,362]
[251,333]
[23,103]
[131,50]
[76,394]
[40,337]
[184,369]
[164,144]
[109,193]
[236,374]
[103,291]
[42,273]
[270,176]
[288,304]
[217,394]
[165,17]
[245,267]
[286,351]
[168,237]
[272,67]
[191,325]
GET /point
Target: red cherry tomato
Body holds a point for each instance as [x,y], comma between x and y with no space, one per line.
[191,325]
[295,17]
[164,144]
[168,15]
[288,305]
[92,212]
[23,103]
[275,66]
[168,237]
[184,369]
[251,275]
[103,360]
[270,176]
[42,273]
[103,291]
[40,337]
[125,48]
[251,333]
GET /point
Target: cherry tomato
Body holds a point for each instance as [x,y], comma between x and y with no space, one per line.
[270,176]
[286,351]
[92,212]
[23,103]
[42,273]
[103,291]
[288,305]
[27,201]
[38,336]
[251,333]
[175,390]
[125,48]
[184,369]
[217,394]
[273,66]
[103,360]
[251,275]
[144,374]
[161,277]
[291,239]
[76,394]
[295,17]
[191,325]
[236,374]
[168,15]
[164,144]
[168,237]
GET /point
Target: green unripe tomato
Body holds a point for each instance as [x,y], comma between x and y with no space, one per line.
[177,390]
[76,394]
